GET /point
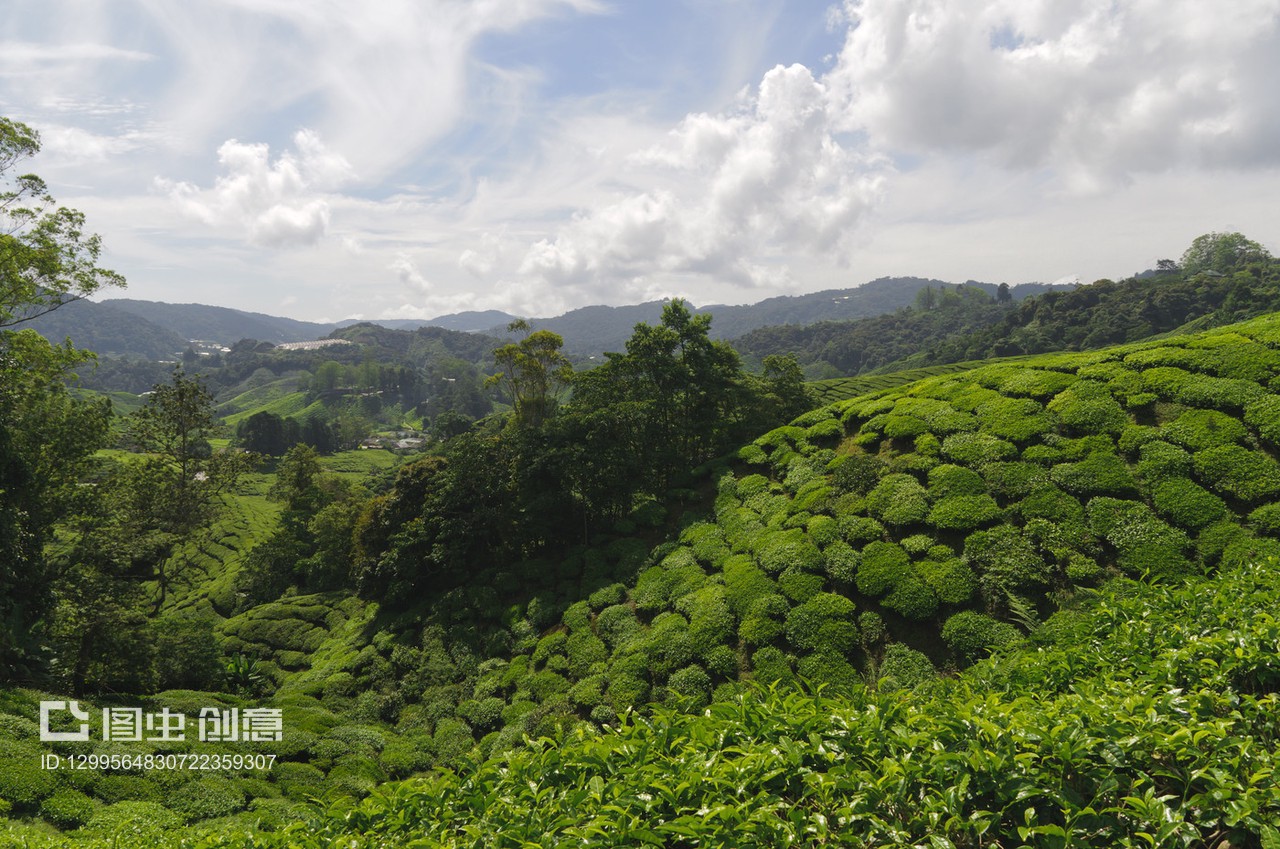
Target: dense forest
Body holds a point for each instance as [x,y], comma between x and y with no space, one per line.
[653,599]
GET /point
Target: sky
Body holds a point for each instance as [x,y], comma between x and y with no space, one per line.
[412,158]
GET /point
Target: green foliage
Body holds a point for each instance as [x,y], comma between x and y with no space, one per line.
[1100,473]
[1005,559]
[1088,407]
[791,549]
[977,449]
[904,668]
[1263,415]
[1196,430]
[964,512]
[898,499]
[763,622]
[883,563]
[951,580]
[823,623]
[971,635]
[1235,471]
[1187,504]
[1160,460]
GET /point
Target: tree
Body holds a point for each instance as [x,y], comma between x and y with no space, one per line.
[533,373]
[176,491]
[1003,295]
[46,258]
[1222,252]
[46,436]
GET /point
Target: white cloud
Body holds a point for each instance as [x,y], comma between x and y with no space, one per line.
[1094,89]
[278,203]
[732,196]
[409,275]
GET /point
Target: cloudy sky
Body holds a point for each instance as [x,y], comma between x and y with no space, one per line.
[409,158]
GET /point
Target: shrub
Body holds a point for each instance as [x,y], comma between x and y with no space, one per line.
[711,622]
[916,544]
[1158,460]
[617,625]
[141,820]
[1013,480]
[1146,544]
[799,586]
[605,596]
[1236,471]
[68,809]
[1088,407]
[690,688]
[1049,502]
[1004,557]
[1197,430]
[1016,419]
[823,623]
[1101,473]
[882,564]
[1263,415]
[627,691]
[585,650]
[977,449]
[1186,504]
[453,737]
[904,668]
[790,549]
[206,797]
[857,473]
[951,580]
[947,480]
[578,615]
[769,664]
[871,627]
[548,646]
[744,582]
[964,512]
[829,669]
[898,499]
[722,661]
[1133,437]
[971,635]
[589,692]
[911,596]
[23,782]
[858,530]
[1267,519]
[823,530]
[763,621]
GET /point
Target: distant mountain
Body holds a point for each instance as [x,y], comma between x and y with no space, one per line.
[108,330]
[593,330]
[223,325]
[472,321]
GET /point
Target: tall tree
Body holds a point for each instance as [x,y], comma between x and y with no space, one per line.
[46,436]
[533,373]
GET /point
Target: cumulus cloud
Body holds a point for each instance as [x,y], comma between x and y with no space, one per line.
[409,275]
[275,203]
[733,195]
[1095,90]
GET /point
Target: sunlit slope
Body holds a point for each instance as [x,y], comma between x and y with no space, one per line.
[920,526]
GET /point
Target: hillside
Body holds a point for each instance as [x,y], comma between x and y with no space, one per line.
[109,331]
[864,547]
[1080,318]
[222,325]
[591,331]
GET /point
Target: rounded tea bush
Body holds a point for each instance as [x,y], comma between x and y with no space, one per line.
[904,668]
[823,623]
[882,565]
[898,499]
[68,809]
[971,635]
[964,512]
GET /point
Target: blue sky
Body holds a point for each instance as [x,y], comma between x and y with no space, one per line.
[410,158]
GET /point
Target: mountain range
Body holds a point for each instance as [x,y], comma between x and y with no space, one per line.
[156,330]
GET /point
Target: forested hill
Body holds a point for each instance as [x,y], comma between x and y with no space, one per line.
[591,331]
[966,324]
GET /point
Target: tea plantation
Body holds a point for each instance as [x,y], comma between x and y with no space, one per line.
[795,656]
